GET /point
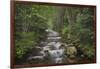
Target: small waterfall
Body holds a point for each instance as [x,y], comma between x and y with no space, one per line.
[56,52]
[51,48]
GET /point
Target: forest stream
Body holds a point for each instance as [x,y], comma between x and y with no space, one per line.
[50,50]
[53,34]
[54,51]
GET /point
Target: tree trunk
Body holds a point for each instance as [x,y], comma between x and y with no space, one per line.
[59,18]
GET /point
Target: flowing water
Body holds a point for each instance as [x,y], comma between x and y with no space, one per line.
[51,48]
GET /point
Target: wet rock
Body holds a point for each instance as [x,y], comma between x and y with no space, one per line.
[71,51]
[36,51]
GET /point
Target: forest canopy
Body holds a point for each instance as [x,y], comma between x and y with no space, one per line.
[74,24]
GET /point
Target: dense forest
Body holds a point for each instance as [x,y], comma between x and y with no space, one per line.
[73,24]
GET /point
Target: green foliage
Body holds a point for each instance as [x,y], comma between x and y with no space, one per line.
[29,28]
[89,52]
[65,30]
[72,23]
[27,42]
[81,28]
